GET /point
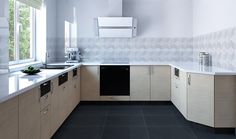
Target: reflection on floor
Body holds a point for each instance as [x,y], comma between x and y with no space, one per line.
[132,121]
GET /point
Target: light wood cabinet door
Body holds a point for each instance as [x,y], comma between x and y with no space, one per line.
[78,87]
[90,83]
[29,115]
[139,83]
[160,83]
[9,111]
[45,122]
[55,110]
[63,102]
[201,99]
[183,93]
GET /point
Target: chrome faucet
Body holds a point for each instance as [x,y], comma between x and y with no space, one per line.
[46,59]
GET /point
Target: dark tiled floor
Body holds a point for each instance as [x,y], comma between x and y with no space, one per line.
[136,121]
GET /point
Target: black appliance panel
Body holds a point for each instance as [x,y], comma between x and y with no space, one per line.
[63,78]
[114,80]
[176,72]
[45,88]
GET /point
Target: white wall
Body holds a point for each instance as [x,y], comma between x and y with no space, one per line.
[156,18]
[161,18]
[213,15]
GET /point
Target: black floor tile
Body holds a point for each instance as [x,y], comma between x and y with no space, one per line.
[125,132]
[91,110]
[125,110]
[85,120]
[166,132]
[82,132]
[124,121]
[135,121]
[158,110]
[162,120]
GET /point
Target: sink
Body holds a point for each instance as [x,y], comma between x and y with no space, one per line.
[55,66]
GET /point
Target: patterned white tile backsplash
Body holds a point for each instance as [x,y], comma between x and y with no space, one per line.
[221,45]
[136,49]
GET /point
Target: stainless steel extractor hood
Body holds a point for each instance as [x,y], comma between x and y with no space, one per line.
[115,25]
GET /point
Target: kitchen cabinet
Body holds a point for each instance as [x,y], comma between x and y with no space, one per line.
[179,91]
[139,83]
[29,115]
[63,101]
[90,83]
[45,121]
[55,109]
[9,122]
[74,86]
[201,98]
[160,83]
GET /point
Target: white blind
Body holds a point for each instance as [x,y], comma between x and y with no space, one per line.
[33,3]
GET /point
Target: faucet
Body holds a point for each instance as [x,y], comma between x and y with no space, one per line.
[46,60]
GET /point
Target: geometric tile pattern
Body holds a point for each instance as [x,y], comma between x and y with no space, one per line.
[221,45]
[135,49]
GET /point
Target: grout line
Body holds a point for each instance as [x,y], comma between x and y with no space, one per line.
[145,124]
[104,124]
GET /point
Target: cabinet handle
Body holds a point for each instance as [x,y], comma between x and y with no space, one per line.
[45,112]
[98,70]
[51,87]
[45,97]
[150,70]
[189,79]
[74,86]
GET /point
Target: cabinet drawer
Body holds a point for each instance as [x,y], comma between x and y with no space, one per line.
[45,123]
[45,101]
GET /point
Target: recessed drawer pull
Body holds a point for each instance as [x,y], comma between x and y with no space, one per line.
[45,84]
[45,97]
[45,112]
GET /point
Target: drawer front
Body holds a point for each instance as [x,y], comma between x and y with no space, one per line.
[45,122]
[45,100]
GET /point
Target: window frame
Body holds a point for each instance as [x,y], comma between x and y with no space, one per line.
[16,37]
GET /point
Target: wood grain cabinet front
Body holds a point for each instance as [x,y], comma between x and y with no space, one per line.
[9,112]
[29,115]
[90,83]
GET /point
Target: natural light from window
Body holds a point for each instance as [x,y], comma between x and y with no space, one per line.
[22,33]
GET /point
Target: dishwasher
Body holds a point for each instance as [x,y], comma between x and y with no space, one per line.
[115,80]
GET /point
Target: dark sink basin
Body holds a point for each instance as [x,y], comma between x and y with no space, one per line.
[55,66]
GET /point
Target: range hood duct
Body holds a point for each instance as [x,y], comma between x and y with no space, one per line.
[115,8]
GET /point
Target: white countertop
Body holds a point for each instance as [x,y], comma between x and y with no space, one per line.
[14,84]
[185,66]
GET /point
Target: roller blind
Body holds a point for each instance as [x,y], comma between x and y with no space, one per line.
[33,3]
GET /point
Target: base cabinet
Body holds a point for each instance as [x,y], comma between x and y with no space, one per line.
[201,98]
[9,121]
[45,118]
[55,110]
[29,115]
[90,83]
[160,83]
[140,83]
[150,83]
[179,91]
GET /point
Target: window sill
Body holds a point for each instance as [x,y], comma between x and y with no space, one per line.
[18,67]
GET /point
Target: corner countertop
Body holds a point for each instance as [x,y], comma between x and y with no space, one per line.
[16,83]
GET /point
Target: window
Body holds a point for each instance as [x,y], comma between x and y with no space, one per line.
[22,33]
